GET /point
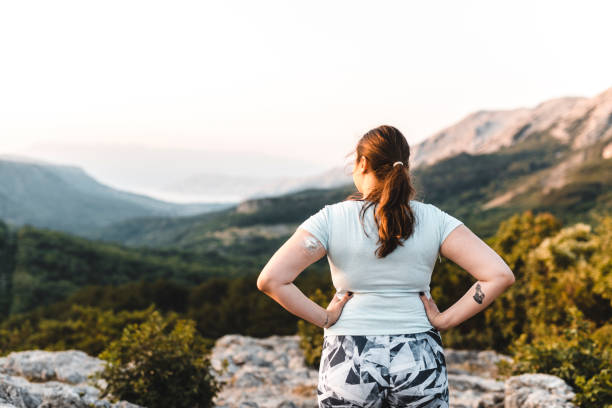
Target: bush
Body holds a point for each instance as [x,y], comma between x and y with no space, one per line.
[571,353]
[160,363]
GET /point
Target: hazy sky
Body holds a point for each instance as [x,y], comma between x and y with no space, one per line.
[294,79]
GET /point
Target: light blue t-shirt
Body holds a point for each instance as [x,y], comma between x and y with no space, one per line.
[386,290]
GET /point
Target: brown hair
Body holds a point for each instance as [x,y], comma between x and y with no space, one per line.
[391,195]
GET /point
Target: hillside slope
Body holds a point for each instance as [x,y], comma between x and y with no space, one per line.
[66,198]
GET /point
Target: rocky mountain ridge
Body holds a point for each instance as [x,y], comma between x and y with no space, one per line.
[576,121]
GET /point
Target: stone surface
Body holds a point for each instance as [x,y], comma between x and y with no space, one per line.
[44,379]
[270,373]
[265,373]
[537,391]
[71,366]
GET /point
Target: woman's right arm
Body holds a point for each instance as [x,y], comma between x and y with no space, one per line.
[493,276]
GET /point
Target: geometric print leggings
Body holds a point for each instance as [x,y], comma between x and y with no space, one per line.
[398,370]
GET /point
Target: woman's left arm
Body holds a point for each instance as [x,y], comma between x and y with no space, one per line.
[276,279]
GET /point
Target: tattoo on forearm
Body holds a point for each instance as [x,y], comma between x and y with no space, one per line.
[479,295]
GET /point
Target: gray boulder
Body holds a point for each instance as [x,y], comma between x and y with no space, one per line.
[45,379]
[72,366]
[537,391]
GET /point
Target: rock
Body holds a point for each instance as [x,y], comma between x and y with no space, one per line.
[467,390]
[537,391]
[267,372]
[33,379]
[270,373]
[71,366]
[248,405]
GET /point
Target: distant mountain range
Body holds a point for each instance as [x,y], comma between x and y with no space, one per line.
[554,162]
[66,198]
[176,174]
[576,122]
[213,184]
[486,166]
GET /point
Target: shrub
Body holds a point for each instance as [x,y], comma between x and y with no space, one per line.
[162,362]
[571,353]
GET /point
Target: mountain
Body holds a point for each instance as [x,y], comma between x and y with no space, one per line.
[332,178]
[485,167]
[66,198]
[555,157]
[575,121]
[174,173]
[216,184]
[243,228]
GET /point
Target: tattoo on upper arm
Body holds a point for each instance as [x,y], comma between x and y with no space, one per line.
[311,244]
[479,295]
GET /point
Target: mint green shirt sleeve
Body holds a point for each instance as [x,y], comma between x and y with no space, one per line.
[318,225]
[447,223]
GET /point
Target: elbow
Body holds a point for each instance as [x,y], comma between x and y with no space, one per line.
[266,285]
[263,280]
[262,284]
[508,277]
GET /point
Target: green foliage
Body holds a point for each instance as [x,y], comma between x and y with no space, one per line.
[596,391]
[311,336]
[95,315]
[78,327]
[504,320]
[49,266]
[570,352]
[160,363]
[7,265]
[566,303]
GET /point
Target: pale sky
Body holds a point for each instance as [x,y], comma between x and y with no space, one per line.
[294,79]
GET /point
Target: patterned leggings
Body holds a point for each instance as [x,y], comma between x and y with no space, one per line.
[399,370]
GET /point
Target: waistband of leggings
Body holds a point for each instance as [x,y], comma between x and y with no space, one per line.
[408,335]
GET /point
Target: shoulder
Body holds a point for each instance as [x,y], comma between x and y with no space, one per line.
[344,206]
[358,204]
[348,205]
[422,207]
[426,211]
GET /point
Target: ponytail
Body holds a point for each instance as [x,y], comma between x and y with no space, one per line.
[384,147]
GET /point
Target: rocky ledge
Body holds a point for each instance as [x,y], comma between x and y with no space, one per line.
[267,372]
[37,379]
[270,373]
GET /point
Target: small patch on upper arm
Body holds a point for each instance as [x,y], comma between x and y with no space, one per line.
[311,244]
